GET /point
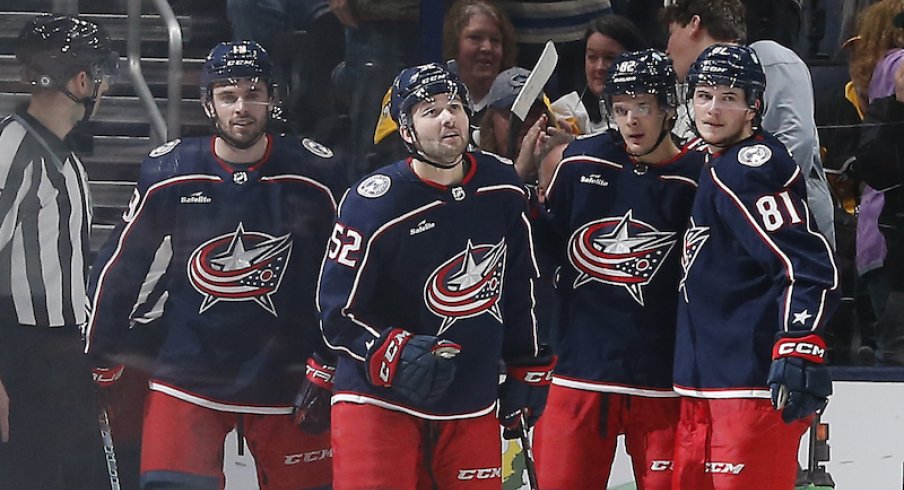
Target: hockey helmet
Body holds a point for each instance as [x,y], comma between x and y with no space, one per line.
[647,71]
[233,60]
[419,83]
[54,47]
[732,66]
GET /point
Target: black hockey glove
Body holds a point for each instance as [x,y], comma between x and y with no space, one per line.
[312,403]
[524,390]
[798,378]
[419,367]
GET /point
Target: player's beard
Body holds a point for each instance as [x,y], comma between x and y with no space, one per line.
[444,150]
[243,130]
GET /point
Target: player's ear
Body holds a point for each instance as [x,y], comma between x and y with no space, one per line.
[752,112]
[405,133]
[208,109]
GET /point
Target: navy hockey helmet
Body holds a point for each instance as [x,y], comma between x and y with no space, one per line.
[419,83]
[52,48]
[647,71]
[732,66]
[227,62]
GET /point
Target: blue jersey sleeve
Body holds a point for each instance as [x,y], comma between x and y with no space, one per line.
[763,193]
[349,275]
[136,248]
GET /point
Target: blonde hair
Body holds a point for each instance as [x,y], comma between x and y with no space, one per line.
[877,36]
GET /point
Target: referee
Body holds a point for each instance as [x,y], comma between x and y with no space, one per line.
[45,216]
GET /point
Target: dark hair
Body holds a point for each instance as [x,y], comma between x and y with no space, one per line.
[620,29]
[724,20]
[460,14]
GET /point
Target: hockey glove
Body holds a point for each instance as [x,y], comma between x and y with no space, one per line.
[312,404]
[798,378]
[418,367]
[524,390]
[104,376]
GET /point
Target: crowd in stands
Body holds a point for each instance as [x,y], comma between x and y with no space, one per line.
[343,100]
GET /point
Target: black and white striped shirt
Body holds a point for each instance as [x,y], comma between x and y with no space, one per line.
[45,218]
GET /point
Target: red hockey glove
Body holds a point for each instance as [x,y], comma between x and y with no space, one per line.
[312,403]
[419,367]
[104,377]
[524,390]
[798,378]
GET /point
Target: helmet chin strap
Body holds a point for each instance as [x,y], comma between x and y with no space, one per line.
[89,102]
[416,149]
[662,135]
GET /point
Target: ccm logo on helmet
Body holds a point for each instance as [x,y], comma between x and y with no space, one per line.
[480,474]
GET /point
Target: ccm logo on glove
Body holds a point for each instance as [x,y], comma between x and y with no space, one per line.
[391,349]
[532,376]
[812,348]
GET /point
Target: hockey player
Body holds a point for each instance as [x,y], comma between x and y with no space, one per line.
[618,202]
[759,284]
[233,228]
[425,287]
[50,439]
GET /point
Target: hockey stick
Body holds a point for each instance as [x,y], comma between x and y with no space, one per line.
[106,434]
[528,454]
[532,89]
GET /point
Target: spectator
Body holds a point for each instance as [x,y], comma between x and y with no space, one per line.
[788,112]
[481,40]
[536,22]
[233,228]
[618,205]
[381,38]
[880,165]
[875,57]
[605,39]
[759,285]
[52,429]
[411,299]
[495,123]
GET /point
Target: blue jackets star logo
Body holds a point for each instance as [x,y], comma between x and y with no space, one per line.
[468,284]
[619,251]
[240,266]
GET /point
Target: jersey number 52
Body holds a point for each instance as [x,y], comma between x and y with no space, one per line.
[345,243]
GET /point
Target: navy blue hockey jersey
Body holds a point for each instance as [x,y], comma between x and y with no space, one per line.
[236,250]
[619,224]
[454,262]
[754,264]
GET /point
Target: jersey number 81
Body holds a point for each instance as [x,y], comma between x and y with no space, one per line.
[770,210]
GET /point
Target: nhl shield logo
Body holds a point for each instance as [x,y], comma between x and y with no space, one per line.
[240,266]
[467,285]
[619,251]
